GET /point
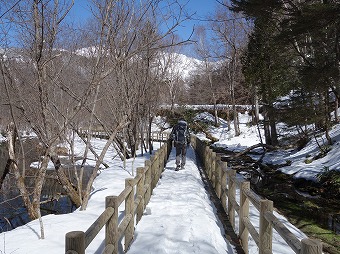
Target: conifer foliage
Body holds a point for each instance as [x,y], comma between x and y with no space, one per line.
[294,49]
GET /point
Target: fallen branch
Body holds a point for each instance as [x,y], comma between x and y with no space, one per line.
[207,134]
[270,147]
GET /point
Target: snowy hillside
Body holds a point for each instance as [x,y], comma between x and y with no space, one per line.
[178,65]
[173,65]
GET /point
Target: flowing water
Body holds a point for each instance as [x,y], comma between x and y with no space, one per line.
[54,200]
[282,187]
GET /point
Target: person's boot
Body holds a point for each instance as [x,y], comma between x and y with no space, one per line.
[177,168]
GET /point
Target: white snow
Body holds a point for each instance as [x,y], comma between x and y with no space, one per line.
[179,218]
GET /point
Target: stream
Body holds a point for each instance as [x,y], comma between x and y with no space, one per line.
[283,190]
[54,200]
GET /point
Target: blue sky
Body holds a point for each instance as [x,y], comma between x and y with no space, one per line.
[200,8]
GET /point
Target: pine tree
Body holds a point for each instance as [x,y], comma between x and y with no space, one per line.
[313,27]
[266,62]
[294,46]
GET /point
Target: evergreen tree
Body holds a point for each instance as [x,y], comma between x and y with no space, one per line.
[313,28]
[266,64]
[294,46]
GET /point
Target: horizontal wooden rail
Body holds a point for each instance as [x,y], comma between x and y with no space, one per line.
[136,196]
[225,182]
[289,237]
[94,229]
[101,133]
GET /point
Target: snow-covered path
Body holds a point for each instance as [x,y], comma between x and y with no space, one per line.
[182,218]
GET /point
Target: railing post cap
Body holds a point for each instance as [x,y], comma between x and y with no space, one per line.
[311,246]
[74,234]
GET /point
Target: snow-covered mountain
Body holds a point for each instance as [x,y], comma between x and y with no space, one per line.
[179,64]
[183,66]
[173,65]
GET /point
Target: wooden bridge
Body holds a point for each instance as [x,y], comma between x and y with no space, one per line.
[138,191]
[155,136]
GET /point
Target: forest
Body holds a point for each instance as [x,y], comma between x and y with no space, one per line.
[116,71]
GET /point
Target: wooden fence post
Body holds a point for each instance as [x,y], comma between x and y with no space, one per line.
[75,242]
[218,176]
[161,160]
[152,170]
[193,142]
[111,228]
[165,158]
[129,210]
[311,246]
[160,164]
[210,162]
[266,228]
[213,168]
[224,186]
[165,149]
[148,178]
[140,193]
[155,166]
[202,148]
[244,213]
[206,160]
[231,195]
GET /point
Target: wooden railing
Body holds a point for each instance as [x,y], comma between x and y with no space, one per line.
[225,183]
[155,136]
[136,196]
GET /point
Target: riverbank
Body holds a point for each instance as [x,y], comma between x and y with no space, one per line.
[296,165]
[299,200]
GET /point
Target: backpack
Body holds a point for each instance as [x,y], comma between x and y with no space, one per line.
[181,133]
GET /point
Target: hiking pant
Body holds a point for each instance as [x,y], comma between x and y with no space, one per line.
[181,150]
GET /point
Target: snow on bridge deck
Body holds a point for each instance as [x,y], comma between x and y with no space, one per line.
[182,219]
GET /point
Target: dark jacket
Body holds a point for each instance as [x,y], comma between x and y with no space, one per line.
[180,133]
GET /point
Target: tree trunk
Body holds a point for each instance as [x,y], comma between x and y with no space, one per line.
[216,122]
[266,127]
[256,106]
[336,110]
[87,191]
[236,122]
[273,131]
[11,137]
[228,119]
[149,134]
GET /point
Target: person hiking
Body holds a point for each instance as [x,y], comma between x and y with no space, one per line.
[181,137]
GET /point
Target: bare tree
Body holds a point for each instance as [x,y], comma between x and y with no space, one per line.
[128,40]
[231,32]
[54,92]
[172,76]
[205,52]
[37,23]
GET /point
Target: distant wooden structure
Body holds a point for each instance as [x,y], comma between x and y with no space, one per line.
[156,136]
